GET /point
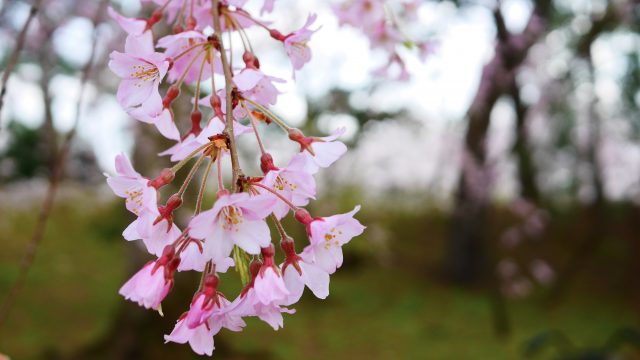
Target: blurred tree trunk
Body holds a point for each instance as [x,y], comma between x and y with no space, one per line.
[527,171]
[597,217]
[469,258]
[596,213]
[466,251]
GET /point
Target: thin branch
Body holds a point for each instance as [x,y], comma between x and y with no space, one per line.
[226,67]
[13,59]
[54,181]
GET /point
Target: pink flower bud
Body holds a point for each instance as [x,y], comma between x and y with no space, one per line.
[250,60]
[172,93]
[268,252]
[196,118]
[154,18]
[305,142]
[303,217]
[277,35]
[166,176]
[266,163]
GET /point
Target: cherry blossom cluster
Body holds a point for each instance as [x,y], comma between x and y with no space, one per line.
[235,231]
[381,21]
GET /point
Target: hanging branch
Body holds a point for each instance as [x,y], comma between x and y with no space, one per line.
[54,181]
[226,67]
[13,59]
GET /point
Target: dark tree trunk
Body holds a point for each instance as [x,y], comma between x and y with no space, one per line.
[527,171]
[596,211]
[466,251]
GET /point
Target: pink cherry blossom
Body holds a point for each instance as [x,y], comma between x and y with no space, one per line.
[225,316]
[294,182]
[255,85]
[249,305]
[327,236]
[152,283]
[268,283]
[210,322]
[154,235]
[192,257]
[269,286]
[235,219]
[141,70]
[321,151]
[179,43]
[133,187]
[295,44]
[204,303]
[134,27]
[311,275]
[153,112]
[200,338]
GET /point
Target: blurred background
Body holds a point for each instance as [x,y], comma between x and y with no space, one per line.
[500,187]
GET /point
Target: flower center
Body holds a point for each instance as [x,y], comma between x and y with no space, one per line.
[282,183]
[231,218]
[145,72]
[134,198]
[330,238]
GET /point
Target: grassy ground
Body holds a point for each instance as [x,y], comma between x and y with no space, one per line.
[373,312]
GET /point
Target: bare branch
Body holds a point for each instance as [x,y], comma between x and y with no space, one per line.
[13,59]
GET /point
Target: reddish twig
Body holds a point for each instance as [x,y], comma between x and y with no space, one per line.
[54,182]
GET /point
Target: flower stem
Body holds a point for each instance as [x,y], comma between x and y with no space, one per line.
[293,207]
[220,182]
[181,163]
[273,116]
[186,71]
[255,129]
[197,92]
[188,50]
[283,234]
[189,177]
[205,177]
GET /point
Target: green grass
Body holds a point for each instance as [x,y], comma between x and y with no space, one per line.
[373,312]
[70,292]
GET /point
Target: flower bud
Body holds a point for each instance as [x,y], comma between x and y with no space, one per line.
[269,251]
[277,35]
[266,163]
[305,142]
[196,118]
[210,284]
[166,176]
[288,246]
[250,60]
[303,216]
[154,18]
[172,93]
[174,202]
[215,102]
